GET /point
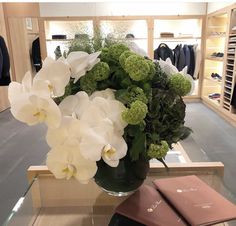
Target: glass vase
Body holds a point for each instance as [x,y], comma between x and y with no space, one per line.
[124,179]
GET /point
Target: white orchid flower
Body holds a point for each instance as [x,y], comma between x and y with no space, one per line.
[67,134]
[32,109]
[105,109]
[75,104]
[107,94]
[84,107]
[26,87]
[56,74]
[80,62]
[65,162]
[103,142]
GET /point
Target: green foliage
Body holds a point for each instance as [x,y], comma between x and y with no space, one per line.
[152,70]
[137,67]
[136,113]
[158,151]
[180,84]
[124,56]
[100,71]
[165,119]
[131,94]
[116,50]
[154,111]
[88,84]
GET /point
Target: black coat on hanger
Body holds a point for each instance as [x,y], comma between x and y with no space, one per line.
[192,61]
[179,57]
[36,54]
[1,63]
[5,73]
[163,52]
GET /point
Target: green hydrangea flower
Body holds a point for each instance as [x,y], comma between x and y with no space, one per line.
[116,50]
[158,151]
[136,93]
[124,56]
[88,84]
[152,69]
[100,71]
[136,113]
[105,56]
[136,67]
[180,84]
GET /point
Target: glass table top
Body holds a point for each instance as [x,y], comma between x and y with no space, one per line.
[48,201]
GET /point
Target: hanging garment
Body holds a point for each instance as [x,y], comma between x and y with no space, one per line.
[191,67]
[179,57]
[198,58]
[5,73]
[57,52]
[187,56]
[1,63]
[233,100]
[36,54]
[163,52]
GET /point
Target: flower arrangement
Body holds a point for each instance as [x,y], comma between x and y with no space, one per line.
[103,106]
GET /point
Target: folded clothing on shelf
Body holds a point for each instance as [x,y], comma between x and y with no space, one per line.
[167,35]
[58,36]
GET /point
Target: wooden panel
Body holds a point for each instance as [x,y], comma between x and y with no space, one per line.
[19,46]
[4,103]
[22,9]
[2,23]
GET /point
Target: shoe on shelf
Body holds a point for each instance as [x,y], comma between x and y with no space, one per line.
[214,54]
[234,28]
[216,76]
[219,54]
[214,95]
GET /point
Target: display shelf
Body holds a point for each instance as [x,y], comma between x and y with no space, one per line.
[59,40]
[215,58]
[211,101]
[213,80]
[177,38]
[216,36]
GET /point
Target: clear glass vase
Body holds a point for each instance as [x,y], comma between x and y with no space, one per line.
[124,179]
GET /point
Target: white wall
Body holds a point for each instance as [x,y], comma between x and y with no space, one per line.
[213,6]
[122,8]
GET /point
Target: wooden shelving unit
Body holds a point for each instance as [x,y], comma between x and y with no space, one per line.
[229,69]
[220,22]
[216,28]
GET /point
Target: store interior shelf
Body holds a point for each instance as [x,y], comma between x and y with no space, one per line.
[216,36]
[211,101]
[59,40]
[178,38]
[213,80]
[215,59]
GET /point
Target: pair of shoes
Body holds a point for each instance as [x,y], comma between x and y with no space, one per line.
[214,95]
[216,76]
[217,54]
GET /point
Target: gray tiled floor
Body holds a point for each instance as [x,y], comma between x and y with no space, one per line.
[22,146]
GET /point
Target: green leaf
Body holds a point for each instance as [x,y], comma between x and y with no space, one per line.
[138,146]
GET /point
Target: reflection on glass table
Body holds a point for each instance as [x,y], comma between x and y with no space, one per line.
[49,201]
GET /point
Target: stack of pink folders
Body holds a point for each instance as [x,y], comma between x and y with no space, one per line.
[176,202]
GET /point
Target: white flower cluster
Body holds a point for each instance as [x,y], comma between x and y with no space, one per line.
[82,129]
